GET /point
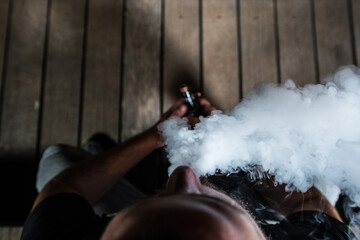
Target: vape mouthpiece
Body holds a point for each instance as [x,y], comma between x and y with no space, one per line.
[192,102]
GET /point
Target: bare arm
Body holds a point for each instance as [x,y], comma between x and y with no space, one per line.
[96,175]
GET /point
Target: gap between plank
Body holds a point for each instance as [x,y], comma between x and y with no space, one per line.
[43,80]
[83,68]
[352,33]
[5,59]
[238,22]
[277,44]
[316,57]
[122,67]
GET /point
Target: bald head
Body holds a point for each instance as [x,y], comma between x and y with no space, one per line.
[187,211]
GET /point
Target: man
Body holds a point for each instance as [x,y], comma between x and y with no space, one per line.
[188,208]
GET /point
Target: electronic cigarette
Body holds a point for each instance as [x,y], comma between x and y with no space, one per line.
[192,102]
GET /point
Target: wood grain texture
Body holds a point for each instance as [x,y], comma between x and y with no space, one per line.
[102,78]
[356,28]
[5,232]
[63,74]
[141,83]
[19,120]
[181,48]
[10,233]
[15,233]
[4,9]
[258,46]
[297,59]
[333,35]
[220,49]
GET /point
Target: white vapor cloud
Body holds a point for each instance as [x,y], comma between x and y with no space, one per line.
[302,136]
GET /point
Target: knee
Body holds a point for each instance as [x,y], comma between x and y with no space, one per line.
[53,149]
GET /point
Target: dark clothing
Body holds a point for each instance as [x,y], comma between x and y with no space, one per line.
[302,225]
[309,225]
[64,216]
[69,216]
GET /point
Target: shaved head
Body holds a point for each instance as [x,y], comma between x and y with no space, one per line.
[184,210]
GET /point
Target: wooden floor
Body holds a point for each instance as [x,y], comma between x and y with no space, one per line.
[70,68]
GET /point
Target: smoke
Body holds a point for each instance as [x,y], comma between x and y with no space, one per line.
[302,136]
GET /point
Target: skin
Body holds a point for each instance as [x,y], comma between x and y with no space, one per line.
[186,209]
[286,203]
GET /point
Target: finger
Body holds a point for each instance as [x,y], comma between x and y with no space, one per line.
[176,105]
[204,102]
[206,106]
[180,111]
[208,111]
[192,120]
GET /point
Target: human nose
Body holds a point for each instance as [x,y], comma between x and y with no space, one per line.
[183,180]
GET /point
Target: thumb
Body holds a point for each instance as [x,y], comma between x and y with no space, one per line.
[180,111]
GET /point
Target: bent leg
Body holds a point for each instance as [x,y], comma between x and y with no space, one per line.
[58,157]
[55,159]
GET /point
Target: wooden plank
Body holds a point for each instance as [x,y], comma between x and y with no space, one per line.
[4,232]
[297,57]
[63,75]
[181,63]
[181,48]
[102,78]
[10,232]
[141,83]
[333,35]
[4,9]
[220,51]
[19,119]
[258,43]
[356,28]
[15,233]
